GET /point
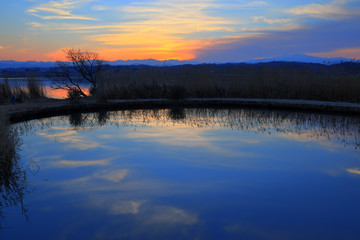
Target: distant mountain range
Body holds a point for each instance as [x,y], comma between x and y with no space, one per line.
[301,58]
[28,64]
[150,62]
[153,62]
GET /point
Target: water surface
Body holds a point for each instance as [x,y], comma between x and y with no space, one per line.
[188,174]
[46,84]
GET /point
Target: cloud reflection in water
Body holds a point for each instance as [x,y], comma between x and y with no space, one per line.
[160,175]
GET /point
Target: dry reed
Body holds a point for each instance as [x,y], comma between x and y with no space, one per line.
[272,81]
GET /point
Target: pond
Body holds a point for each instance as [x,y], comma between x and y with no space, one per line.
[187,174]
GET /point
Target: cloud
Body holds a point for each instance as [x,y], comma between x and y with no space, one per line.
[197,30]
[124,207]
[71,137]
[6,47]
[159,30]
[121,207]
[272,21]
[58,10]
[113,176]
[101,8]
[76,164]
[309,136]
[65,17]
[330,10]
[353,53]
[181,135]
[257,4]
[37,25]
[50,10]
[72,27]
[114,204]
[325,36]
[353,171]
[171,215]
[151,215]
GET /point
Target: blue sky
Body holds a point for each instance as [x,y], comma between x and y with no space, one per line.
[203,30]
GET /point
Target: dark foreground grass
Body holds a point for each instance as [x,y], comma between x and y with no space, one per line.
[339,82]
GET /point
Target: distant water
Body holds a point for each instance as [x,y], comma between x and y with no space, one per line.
[22,81]
[188,174]
[45,82]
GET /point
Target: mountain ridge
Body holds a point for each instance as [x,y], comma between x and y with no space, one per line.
[301,58]
[4,64]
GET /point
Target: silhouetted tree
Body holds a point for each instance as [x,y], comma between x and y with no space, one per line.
[87,64]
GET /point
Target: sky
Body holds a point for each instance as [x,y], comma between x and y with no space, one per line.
[202,30]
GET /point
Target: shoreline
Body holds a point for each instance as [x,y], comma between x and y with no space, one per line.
[33,110]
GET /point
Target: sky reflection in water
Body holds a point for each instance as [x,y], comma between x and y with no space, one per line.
[189,174]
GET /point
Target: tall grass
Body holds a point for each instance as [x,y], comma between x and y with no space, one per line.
[272,81]
[34,87]
[5,90]
[18,92]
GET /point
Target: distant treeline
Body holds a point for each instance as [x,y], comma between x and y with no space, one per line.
[276,80]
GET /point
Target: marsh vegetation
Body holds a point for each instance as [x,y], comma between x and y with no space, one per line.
[339,82]
[276,80]
[12,90]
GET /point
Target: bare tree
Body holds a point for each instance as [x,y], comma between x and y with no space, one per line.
[87,64]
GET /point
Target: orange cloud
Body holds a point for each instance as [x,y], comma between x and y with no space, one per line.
[145,53]
[58,55]
[159,30]
[21,54]
[162,31]
[143,46]
[183,52]
[343,52]
[1,47]
[147,45]
[354,171]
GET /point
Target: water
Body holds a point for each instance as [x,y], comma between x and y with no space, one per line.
[46,83]
[188,174]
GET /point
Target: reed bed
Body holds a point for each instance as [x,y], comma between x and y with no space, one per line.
[16,91]
[339,82]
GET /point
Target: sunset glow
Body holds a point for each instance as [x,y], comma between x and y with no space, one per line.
[205,30]
[60,93]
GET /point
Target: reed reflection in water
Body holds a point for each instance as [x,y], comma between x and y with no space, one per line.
[13,182]
[192,173]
